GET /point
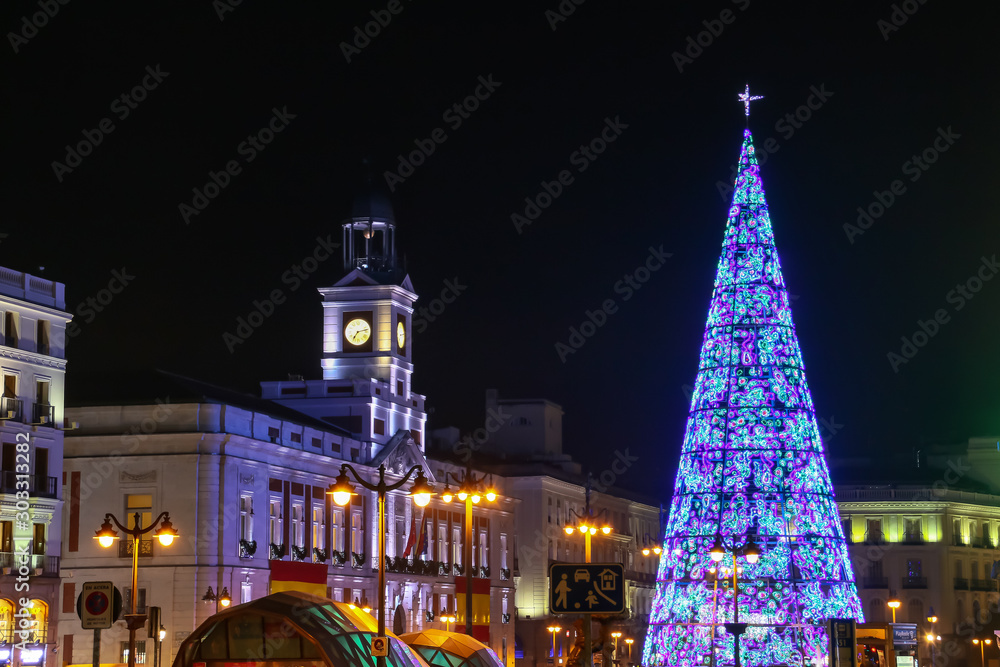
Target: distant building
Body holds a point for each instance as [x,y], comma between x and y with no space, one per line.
[33,318]
[930,541]
[521,442]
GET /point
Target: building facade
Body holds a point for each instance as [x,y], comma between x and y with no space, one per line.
[933,546]
[33,365]
[245,479]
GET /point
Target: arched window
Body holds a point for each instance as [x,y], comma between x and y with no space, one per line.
[915,611]
[40,614]
[876,611]
[6,622]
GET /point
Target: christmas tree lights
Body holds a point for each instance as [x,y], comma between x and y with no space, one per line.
[752,468]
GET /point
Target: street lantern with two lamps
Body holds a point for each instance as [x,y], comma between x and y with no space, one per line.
[554,629]
[751,552]
[982,644]
[342,491]
[223,599]
[107,535]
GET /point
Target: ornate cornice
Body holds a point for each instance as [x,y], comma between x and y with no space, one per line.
[32,357]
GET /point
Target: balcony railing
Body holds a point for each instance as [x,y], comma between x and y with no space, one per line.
[982,543]
[10,408]
[10,340]
[125,548]
[957,541]
[961,584]
[43,414]
[988,585]
[875,582]
[38,485]
[913,538]
[39,564]
[914,582]
[874,538]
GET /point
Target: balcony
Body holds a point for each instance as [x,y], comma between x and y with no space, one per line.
[43,414]
[43,348]
[874,538]
[982,543]
[11,408]
[125,548]
[38,485]
[988,585]
[10,340]
[914,582]
[961,584]
[875,582]
[957,541]
[39,564]
[913,538]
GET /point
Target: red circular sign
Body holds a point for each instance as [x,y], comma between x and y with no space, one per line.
[96,603]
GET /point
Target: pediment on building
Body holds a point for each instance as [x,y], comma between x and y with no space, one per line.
[402,453]
[355,278]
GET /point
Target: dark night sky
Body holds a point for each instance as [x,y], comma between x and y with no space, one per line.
[656,184]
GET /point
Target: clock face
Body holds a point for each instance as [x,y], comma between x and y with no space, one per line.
[357,331]
[401,334]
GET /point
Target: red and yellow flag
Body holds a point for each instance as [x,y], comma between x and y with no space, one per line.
[295,576]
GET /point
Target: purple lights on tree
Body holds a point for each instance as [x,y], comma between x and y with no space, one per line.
[752,469]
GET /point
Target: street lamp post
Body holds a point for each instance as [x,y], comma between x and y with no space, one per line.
[107,535]
[894,604]
[982,643]
[587,526]
[615,635]
[448,620]
[751,552]
[931,638]
[342,490]
[628,642]
[553,629]
[470,491]
[223,599]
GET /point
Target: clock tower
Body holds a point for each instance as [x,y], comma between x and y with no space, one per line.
[367,348]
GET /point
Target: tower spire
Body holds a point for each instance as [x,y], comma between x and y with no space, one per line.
[753,492]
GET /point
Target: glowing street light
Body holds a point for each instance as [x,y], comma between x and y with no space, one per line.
[894,604]
[107,535]
[751,552]
[554,629]
[982,644]
[342,490]
[470,492]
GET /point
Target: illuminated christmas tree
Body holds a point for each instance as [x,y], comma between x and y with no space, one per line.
[752,472]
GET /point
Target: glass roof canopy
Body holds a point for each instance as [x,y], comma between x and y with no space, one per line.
[291,626]
[451,649]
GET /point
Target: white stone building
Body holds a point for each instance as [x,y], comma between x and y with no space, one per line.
[33,318]
[245,478]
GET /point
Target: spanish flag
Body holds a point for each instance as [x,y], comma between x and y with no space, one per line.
[296,576]
[480,607]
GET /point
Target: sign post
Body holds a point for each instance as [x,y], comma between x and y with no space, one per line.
[97,606]
[843,643]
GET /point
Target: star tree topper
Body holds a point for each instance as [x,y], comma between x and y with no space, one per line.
[747,99]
